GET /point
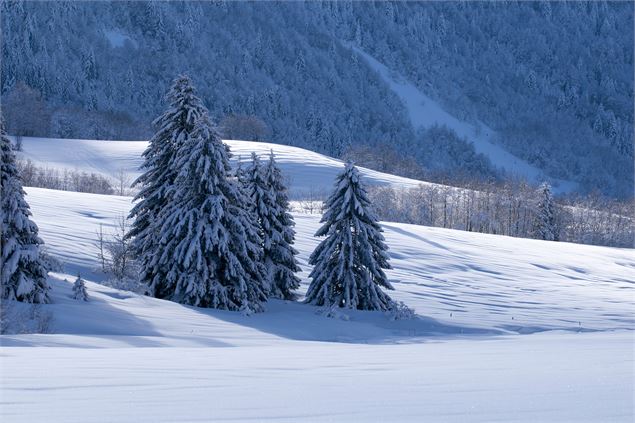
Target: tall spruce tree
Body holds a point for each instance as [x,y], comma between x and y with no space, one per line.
[23,273]
[348,264]
[545,220]
[269,202]
[208,246]
[175,128]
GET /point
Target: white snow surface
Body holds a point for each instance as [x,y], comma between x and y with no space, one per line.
[508,329]
[308,172]
[538,378]
[425,112]
[116,38]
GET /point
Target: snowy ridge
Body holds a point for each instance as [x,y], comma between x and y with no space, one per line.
[307,171]
[425,112]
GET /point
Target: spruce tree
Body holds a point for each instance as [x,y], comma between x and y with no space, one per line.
[348,264]
[23,273]
[278,242]
[175,128]
[79,289]
[260,204]
[209,248]
[545,220]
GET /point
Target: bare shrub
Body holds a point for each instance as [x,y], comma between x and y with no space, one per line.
[19,318]
[64,180]
[116,257]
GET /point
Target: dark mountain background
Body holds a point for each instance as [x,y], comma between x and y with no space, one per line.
[555,80]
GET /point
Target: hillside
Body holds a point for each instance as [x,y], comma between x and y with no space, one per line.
[559,105]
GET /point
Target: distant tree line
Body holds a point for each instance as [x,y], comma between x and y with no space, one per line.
[512,208]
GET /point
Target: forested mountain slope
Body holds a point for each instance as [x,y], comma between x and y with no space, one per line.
[554,80]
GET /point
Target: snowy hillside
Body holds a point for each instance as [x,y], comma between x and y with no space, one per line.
[471,292]
[464,280]
[307,170]
[425,112]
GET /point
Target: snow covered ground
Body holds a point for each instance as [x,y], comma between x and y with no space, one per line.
[425,112]
[507,330]
[537,378]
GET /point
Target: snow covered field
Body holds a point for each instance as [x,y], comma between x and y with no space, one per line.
[508,330]
[536,378]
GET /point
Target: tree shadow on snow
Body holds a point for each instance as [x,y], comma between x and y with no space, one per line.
[98,318]
[302,322]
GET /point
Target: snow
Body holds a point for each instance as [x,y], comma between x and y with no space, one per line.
[425,112]
[549,377]
[309,171]
[464,281]
[117,38]
[508,329]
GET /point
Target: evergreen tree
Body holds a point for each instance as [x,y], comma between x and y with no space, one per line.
[209,248]
[23,273]
[79,289]
[268,199]
[545,220]
[348,264]
[242,183]
[175,129]
[282,251]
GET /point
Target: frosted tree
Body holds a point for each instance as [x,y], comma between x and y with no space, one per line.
[79,289]
[282,252]
[23,272]
[175,129]
[209,247]
[544,220]
[348,264]
[268,199]
[242,182]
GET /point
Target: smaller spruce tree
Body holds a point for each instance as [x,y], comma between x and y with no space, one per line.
[348,264]
[268,199]
[79,289]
